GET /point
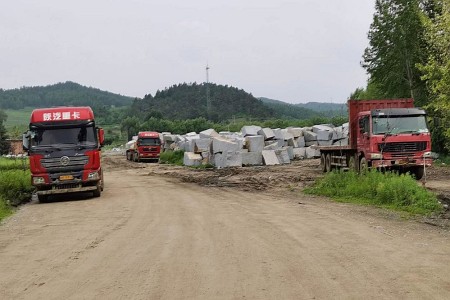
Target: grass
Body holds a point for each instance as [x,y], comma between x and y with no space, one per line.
[387,190]
[18,117]
[172,157]
[15,184]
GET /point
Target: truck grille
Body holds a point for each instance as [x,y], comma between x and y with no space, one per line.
[67,186]
[150,149]
[403,147]
[57,164]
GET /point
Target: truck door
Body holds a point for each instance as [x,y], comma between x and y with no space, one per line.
[363,140]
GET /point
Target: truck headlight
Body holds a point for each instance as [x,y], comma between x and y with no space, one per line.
[428,155]
[38,180]
[93,176]
[376,156]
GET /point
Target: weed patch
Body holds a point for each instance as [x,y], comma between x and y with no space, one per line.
[389,190]
[172,157]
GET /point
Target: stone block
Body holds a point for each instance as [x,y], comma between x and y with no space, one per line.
[301,141]
[286,134]
[310,136]
[312,152]
[255,143]
[299,153]
[283,156]
[290,151]
[341,142]
[292,142]
[192,159]
[252,159]
[296,131]
[270,158]
[312,143]
[228,159]
[278,134]
[325,143]
[267,133]
[209,133]
[272,146]
[250,130]
[202,145]
[224,145]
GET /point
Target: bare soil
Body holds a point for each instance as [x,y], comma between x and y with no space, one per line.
[237,233]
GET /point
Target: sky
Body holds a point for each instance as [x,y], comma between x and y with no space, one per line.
[296,51]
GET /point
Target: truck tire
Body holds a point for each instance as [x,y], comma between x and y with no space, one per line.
[97,193]
[418,172]
[363,167]
[328,162]
[351,163]
[322,162]
[43,198]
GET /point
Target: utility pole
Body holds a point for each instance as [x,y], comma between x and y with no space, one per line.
[208,100]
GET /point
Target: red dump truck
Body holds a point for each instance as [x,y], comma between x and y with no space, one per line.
[64,144]
[384,134]
[146,146]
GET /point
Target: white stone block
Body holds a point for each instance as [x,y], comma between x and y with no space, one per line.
[312,143]
[224,145]
[300,141]
[324,135]
[255,143]
[252,159]
[309,136]
[278,134]
[228,159]
[270,158]
[202,145]
[312,152]
[323,127]
[283,156]
[325,143]
[341,142]
[286,134]
[296,131]
[272,146]
[290,151]
[292,142]
[267,133]
[250,130]
[299,153]
[209,133]
[192,159]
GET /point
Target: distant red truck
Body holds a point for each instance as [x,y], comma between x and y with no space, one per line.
[64,146]
[387,134]
[147,146]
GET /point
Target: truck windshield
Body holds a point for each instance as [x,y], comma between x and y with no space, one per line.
[399,124]
[83,135]
[149,142]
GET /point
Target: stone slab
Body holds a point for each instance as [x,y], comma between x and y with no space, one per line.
[252,159]
[270,158]
[254,143]
[192,159]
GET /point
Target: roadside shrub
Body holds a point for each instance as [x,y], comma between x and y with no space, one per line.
[390,190]
[172,157]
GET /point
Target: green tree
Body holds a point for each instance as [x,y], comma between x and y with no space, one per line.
[396,46]
[437,73]
[4,143]
[131,126]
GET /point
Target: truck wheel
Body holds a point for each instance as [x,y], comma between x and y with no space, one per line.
[352,163]
[43,198]
[363,165]
[322,162]
[328,162]
[418,172]
[134,157]
[98,191]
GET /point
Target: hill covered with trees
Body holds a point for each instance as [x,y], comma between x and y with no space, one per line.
[67,93]
[189,101]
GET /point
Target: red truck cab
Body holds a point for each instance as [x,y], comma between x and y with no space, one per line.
[63,145]
[147,146]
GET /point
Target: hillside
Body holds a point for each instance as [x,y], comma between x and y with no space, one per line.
[286,110]
[188,101]
[67,93]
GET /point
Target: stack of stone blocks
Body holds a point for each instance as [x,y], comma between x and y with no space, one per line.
[255,146]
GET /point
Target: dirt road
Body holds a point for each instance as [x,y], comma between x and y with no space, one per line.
[152,237]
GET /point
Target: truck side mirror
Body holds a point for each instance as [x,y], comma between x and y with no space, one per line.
[26,141]
[101,136]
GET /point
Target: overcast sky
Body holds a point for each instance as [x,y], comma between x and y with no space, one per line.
[295,51]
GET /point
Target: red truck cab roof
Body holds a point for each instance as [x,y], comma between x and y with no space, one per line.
[60,114]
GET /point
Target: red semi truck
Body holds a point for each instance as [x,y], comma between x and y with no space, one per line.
[383,134]
[64,144]
[147,146]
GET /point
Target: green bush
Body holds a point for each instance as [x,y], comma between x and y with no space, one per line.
[15,184]
[172,157]
[390,190]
